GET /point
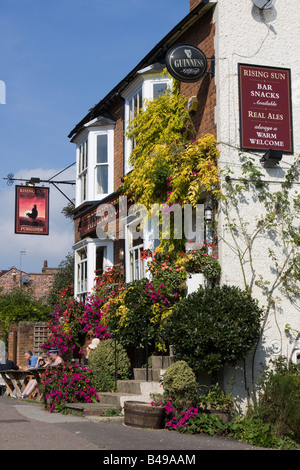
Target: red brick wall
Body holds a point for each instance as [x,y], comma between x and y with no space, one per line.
[201,35]
[40,283]
[10,280]
[21,339]
[118,114]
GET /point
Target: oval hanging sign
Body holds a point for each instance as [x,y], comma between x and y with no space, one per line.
[186,63]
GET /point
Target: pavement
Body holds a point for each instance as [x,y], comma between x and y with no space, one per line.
[26,425]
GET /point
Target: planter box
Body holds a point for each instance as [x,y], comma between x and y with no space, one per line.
[193,282]
[143,415]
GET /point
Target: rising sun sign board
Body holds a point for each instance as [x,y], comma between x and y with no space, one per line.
[186,63]
[32,210]
[265,108]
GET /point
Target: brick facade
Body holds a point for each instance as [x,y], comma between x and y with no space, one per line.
[39,283]
[25,336]
[199,33]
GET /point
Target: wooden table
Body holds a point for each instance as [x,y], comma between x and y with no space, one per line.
[16,380]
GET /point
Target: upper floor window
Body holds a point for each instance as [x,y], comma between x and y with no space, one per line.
[148,86]
[82,169]
[102,164]
[95,157]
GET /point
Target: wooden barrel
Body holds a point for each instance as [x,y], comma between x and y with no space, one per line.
[143,415]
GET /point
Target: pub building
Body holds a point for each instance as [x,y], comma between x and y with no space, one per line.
[242,96]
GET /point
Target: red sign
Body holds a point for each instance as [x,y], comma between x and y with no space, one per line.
[265,108]
[32,210]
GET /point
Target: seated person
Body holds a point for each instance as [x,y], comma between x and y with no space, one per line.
[54,361]
[90,347]
[8,365]
[40,362]
[31,359]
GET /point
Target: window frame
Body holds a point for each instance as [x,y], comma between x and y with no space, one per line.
[145,82]
[82,170]
[87,185]
[90,246]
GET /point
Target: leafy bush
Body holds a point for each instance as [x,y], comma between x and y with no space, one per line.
[217,399]
[20,305]
[105,369]
[279,400]
[214,327]
[179,382]
[142,304]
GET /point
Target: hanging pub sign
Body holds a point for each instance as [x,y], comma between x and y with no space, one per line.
[265,108]
[186,63]
[32,210]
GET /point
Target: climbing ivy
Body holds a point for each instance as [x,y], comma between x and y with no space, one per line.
[169,165]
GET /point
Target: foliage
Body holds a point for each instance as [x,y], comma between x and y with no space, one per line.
[251,428]
[168,166]
[109,362]
[65,329]
[179,382]
[72,319]
[67,383]
[165,120]
[279,399]
[20,305]
[139,304]
[166,273]
[217,399]
[200,261]
[214,327]
[64,277]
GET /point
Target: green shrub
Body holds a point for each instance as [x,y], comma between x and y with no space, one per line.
[214,327]
[179,382]
[105,369]
[279,401]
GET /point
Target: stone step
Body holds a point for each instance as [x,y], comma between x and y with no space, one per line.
[153,374]
[90,409]
[162,362]
[129,386]
[133,390]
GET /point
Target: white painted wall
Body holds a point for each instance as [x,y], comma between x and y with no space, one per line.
[244,34]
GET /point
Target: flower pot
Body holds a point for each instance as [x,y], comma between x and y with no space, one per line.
[143,415]
[194,281]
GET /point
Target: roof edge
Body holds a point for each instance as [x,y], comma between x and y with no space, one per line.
[162,46]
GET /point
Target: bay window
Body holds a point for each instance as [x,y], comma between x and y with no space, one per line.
[95,157]
[92,257]
[148,86]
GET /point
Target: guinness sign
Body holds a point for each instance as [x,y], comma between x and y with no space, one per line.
[186,63]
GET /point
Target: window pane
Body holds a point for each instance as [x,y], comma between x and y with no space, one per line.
[102,148]
[140,100]
[102,179]
[159,89]
[85,151]
[135,106]
[83,187]
[99,260]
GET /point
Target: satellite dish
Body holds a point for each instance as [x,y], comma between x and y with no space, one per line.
[264,4]
[25,279]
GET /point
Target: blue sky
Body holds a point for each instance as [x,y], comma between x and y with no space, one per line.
[57,60]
